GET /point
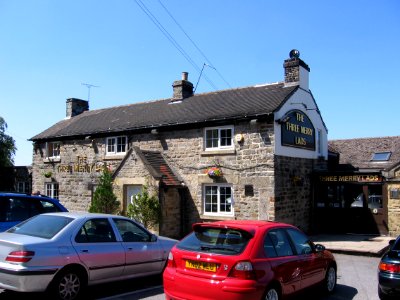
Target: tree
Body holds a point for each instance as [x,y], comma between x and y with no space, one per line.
[104,200]
[145,209]
[7,146]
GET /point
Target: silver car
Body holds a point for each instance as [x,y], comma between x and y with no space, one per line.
[62,253]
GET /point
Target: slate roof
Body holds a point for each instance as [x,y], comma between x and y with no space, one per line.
[358,152]
[229,104]
[158,163]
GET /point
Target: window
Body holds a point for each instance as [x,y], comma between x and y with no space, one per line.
[130,192]
[131,232]
[277,243]
[381,156]
[116,145]
[395,194]
[52,190]
[23,187]
[53,150]
[218,200]
[96,231]
[219,138]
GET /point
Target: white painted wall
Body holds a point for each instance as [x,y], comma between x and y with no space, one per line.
[295,102]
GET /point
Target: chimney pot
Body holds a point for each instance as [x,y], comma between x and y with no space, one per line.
[185,75]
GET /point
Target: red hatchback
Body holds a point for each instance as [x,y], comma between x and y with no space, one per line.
[246,260]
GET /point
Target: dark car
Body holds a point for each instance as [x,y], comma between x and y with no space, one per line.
[389,272]
[240,260]
[15,208]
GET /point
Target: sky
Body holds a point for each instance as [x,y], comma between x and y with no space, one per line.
[127,51]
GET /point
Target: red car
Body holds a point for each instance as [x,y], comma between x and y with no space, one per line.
[246,260]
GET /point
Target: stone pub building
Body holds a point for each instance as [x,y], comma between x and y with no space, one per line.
[243,153]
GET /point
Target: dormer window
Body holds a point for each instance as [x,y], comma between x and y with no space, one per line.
[116,145]
[218,138]
[381,156]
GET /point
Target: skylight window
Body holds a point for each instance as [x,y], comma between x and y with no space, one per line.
[381,156]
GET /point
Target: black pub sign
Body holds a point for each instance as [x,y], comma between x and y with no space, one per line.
[297,130]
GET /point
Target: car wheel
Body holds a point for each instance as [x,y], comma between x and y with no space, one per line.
[67,285]
[330,280]
[272,294]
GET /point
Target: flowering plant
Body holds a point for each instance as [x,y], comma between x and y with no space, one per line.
[214,172]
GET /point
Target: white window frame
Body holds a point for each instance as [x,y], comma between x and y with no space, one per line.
[112,144]
[218,138]
[53,150]
[218,195]
[52,189]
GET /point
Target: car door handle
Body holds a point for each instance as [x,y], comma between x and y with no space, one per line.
[85,251]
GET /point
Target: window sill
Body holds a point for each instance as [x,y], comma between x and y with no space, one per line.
[114,156]
[218,152]
[216,217]
[52,160]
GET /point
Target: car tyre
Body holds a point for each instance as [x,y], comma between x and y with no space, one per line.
[272,294]
[330,280]
[68,285]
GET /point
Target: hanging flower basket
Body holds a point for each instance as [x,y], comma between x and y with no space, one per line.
[48,174]
[214,172]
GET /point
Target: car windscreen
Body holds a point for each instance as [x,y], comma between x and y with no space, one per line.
[41,226]
[216,240]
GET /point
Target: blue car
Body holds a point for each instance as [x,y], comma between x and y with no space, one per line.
[15,208]
[389,272]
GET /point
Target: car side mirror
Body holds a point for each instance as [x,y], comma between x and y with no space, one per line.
[391,242]
[319,248]
[153,238]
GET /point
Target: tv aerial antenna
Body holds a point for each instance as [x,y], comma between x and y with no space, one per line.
[89,86]
[202,69]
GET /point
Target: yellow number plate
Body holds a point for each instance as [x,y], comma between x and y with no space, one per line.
[200,265]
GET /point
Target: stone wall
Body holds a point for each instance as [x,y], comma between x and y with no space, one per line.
[293,191]
[393,210]
[264,187]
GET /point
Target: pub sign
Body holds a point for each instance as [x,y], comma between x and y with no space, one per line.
[297,130]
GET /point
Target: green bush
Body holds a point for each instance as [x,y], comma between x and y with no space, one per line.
[104,200]
[145,209]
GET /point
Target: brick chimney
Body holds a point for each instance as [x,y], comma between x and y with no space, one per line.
[75,107]
[182,88]
[296,70]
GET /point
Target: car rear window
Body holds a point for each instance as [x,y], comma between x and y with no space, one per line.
[41,226]
[216,240]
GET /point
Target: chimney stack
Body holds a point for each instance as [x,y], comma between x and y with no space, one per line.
[182,88]
[75,107]
[296,70]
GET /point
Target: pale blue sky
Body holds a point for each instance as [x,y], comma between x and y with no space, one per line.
[48,48]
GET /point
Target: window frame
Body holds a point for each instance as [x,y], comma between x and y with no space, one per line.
[219,186]
[52,189]
[116,144]
[381,156]
[219,138]
[52,151]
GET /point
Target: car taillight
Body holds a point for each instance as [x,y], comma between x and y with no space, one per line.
[243,270]
[387,267]
[20,256]
[171,262]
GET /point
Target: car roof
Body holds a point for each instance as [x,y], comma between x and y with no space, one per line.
[247,225]
[23,195]
[82,214]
